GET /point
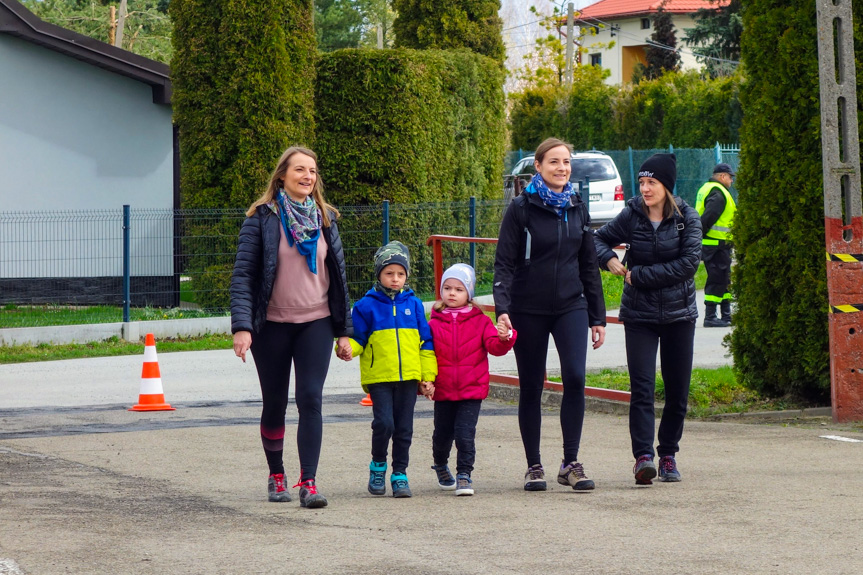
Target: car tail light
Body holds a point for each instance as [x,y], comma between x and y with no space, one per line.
[618,193]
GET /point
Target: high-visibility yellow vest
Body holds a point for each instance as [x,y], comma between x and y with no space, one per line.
[721,230]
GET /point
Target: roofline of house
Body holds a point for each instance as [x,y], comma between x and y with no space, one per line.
[17,21]
[632,14]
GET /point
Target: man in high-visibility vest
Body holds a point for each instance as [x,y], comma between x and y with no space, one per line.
[716,208]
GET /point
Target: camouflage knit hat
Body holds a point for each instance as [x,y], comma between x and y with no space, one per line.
[392,253]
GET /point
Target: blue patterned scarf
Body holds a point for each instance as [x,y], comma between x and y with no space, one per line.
[301,222]
[557,199]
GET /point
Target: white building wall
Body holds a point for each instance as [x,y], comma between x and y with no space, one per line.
[76,137]
[630,33]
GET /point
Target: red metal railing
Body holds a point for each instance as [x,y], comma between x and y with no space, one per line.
[436,241]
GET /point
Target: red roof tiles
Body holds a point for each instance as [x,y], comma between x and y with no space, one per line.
[621,8]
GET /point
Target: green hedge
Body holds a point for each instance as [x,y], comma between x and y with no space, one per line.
[681,109]
[472,24]
[243,73]
[409,126]
[780,342]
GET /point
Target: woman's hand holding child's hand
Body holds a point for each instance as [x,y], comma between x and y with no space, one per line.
[503,331]
[343,351]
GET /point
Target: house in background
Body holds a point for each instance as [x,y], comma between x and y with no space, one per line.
[83,126]
[629,24]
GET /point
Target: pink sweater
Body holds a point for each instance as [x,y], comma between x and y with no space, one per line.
[462,342]
[299,296]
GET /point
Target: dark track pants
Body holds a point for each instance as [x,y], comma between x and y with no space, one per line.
[456,421]
[717,263]
[531,350]
[393,418]
[309,347]
[675,342]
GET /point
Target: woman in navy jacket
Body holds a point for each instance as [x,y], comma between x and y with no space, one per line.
[289,299]
[657,309]
[546,282]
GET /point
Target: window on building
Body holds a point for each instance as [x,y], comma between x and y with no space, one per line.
[596,59]
[645,23]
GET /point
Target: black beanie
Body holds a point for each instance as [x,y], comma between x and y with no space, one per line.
[392,253]
[662,167]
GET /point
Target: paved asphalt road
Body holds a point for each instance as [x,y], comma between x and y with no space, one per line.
[89,487]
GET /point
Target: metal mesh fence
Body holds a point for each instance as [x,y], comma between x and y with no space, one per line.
[67,268]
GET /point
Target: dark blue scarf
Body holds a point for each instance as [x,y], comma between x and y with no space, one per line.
[558,200]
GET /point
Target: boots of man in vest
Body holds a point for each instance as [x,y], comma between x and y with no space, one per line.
[710,319]
[726,312]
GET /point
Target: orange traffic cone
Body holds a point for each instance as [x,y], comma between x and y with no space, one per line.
[367,400]
[151,397]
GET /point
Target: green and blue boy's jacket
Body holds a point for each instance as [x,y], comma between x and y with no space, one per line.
[392,338]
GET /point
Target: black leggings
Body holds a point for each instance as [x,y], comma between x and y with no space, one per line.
[675,342]
[531,350]
[309,347]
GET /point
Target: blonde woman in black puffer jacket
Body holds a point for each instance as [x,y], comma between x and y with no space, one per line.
[658,308]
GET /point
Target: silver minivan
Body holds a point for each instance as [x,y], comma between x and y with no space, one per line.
[594,168]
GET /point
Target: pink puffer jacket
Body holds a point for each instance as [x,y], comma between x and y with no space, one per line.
[462,343]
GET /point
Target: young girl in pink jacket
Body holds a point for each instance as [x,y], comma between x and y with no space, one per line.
[463,336]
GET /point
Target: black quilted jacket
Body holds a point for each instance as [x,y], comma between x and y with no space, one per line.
[255,272]
[663,262]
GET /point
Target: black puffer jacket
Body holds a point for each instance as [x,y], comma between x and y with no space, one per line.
[562,273]
[255,273]
[662,261]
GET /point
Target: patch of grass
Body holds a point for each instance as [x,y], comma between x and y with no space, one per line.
[109,347]
[45,315]
[711,392]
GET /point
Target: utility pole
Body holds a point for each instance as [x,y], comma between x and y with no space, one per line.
[843,206]
[570,21]
[121,24]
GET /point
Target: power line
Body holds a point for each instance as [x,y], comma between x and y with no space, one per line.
[520,25]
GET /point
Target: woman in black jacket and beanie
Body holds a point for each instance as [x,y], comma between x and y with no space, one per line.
[546,282]
[658,307]
[289,299]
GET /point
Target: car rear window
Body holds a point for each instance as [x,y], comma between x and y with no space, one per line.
[597,169]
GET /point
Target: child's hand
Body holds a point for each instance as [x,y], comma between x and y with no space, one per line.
[343,351]
[427,389]
[503,332]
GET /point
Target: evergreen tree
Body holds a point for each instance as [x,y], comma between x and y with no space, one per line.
[780,339]
[662,56]
[717,34]
[338,24]
[472,24]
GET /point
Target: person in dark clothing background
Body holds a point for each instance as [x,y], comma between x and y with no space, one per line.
[547,282]
[717,208]
[658,308]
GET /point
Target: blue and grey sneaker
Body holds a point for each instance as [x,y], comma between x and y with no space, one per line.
[464,486]
[399,483]
[445,480]
[378,477]
[644,470]
[668,469]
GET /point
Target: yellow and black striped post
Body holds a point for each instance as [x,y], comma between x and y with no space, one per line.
[843,206]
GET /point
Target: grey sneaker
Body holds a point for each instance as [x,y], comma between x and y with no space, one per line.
[445,480]
[464,486]
[644,470]
[534,478]
[309,496]
[277,491]
[572,474]
[668,469]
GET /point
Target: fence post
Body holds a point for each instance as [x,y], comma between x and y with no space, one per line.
[473,231]
[632,174]
[126,257]
[718,153]
[386,223]
[671,151]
